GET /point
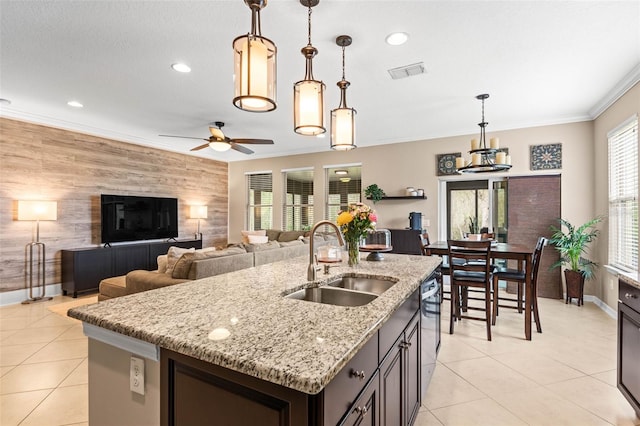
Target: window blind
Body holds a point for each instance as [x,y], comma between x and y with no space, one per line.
[623,196]
[259,201]
[298,200]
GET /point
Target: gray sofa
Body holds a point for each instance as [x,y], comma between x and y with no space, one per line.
[191,265]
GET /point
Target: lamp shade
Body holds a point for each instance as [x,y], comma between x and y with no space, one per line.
[198,212]
[37,210]
[343,129]
[308,107]
[254,60]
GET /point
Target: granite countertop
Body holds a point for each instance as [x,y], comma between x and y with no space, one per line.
[630,278]
[298,344]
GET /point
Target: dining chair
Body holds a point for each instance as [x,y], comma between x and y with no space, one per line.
[444,266]
[519,277]
[470,267]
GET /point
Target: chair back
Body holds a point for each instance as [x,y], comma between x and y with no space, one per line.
[470,260]
[424,242]
[488,236]
[537,256]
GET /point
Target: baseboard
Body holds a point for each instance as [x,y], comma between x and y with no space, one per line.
[17,296]
[600,304]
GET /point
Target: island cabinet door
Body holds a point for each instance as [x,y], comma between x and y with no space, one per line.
[197,393]
[365,411]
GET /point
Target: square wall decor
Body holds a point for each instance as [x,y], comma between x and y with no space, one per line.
[546,157]
[446,163]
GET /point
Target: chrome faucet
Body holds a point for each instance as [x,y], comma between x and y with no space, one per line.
[311,270]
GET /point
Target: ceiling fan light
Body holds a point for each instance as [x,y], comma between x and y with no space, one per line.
[254,60]
[219,146]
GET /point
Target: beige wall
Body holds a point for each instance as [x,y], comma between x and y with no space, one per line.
[625,107]
[394,167]
[39,162]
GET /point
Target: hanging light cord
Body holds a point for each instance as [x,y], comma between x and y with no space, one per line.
[343,63]
[309,25]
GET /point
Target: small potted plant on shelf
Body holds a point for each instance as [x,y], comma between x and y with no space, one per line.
[572,244]
[374,192]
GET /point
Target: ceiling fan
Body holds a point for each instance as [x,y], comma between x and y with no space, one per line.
[219,142]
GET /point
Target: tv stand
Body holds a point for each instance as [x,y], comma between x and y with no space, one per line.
[84,268]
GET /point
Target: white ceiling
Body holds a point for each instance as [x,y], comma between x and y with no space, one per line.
[542,62]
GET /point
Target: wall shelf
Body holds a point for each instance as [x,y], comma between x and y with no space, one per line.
[403,197]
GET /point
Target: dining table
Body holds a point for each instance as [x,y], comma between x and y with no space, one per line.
[521,253]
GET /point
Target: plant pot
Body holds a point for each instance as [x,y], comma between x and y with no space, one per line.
[575,286]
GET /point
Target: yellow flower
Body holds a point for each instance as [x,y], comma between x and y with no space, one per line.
[344,218]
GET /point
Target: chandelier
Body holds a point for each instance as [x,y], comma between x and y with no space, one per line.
[484,159]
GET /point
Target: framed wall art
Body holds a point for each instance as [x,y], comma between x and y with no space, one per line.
[546,157]
[446,163]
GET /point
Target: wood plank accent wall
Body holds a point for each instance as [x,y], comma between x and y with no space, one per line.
[39,162]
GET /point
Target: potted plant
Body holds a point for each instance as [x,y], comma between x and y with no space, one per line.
[474,229]
[374,192]
[572,244]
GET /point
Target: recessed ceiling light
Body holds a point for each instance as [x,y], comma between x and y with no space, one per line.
[75,104]
[5,101]
[181,67]
[396,39]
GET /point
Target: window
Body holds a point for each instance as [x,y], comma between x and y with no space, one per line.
[260,201]
[298,200]
[344,186]
[623,196]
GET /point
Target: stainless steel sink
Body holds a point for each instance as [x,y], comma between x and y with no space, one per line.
[369,285]
[333,296]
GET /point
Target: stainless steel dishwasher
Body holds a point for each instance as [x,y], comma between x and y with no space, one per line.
[430,327]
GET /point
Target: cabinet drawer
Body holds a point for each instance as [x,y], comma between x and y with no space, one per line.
[629,295]
[341,393]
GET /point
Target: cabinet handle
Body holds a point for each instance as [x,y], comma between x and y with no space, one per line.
[361,410]
[630,296]
[359,374]
[405,345]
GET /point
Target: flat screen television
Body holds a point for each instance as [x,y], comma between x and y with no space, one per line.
[133,218]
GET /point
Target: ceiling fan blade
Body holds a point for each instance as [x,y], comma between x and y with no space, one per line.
[241,148]
[198,148]
[182,137]
[254,141]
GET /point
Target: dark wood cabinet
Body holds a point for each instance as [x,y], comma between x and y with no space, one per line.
[84,268]
[406,241]
[629,343]
[400,378]
[374,388]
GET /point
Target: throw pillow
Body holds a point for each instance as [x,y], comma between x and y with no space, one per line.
[173,255]
[290,235]
[273,234]
[257,239]
[245,234]
[291,243]
[183,265]
[162,263]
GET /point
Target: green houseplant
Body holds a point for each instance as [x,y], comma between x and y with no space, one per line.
[572,244]
[374,192]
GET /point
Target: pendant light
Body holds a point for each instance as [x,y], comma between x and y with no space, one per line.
[254,60]
[484,159]
[308,94]
[343,118]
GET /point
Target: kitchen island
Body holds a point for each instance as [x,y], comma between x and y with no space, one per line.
[238,334]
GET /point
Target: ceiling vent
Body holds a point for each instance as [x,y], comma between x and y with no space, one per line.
[407,71]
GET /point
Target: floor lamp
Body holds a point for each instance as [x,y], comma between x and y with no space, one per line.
[36,210]
[198,212]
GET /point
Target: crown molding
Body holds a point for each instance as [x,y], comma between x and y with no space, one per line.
[627,82]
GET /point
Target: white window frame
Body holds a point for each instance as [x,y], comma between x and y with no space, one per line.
[250,206]
[622,143]
[351,197]
[297,205]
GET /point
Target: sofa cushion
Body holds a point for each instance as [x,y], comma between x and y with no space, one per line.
[291,243]
[141,280]
[173,255]
[245,234]
[220,265]
[271,245]
[162,263]
[291,235]
[257,239]
[183,265]
[112,287]
[273,234]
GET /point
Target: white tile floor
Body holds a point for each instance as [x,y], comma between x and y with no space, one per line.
[564,376]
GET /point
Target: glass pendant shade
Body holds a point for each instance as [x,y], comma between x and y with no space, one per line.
[308,107]
[254,60]
[343,129]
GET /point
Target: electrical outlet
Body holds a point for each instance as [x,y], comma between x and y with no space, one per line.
[136,375]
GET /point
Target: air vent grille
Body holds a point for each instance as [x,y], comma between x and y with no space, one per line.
[407,71]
